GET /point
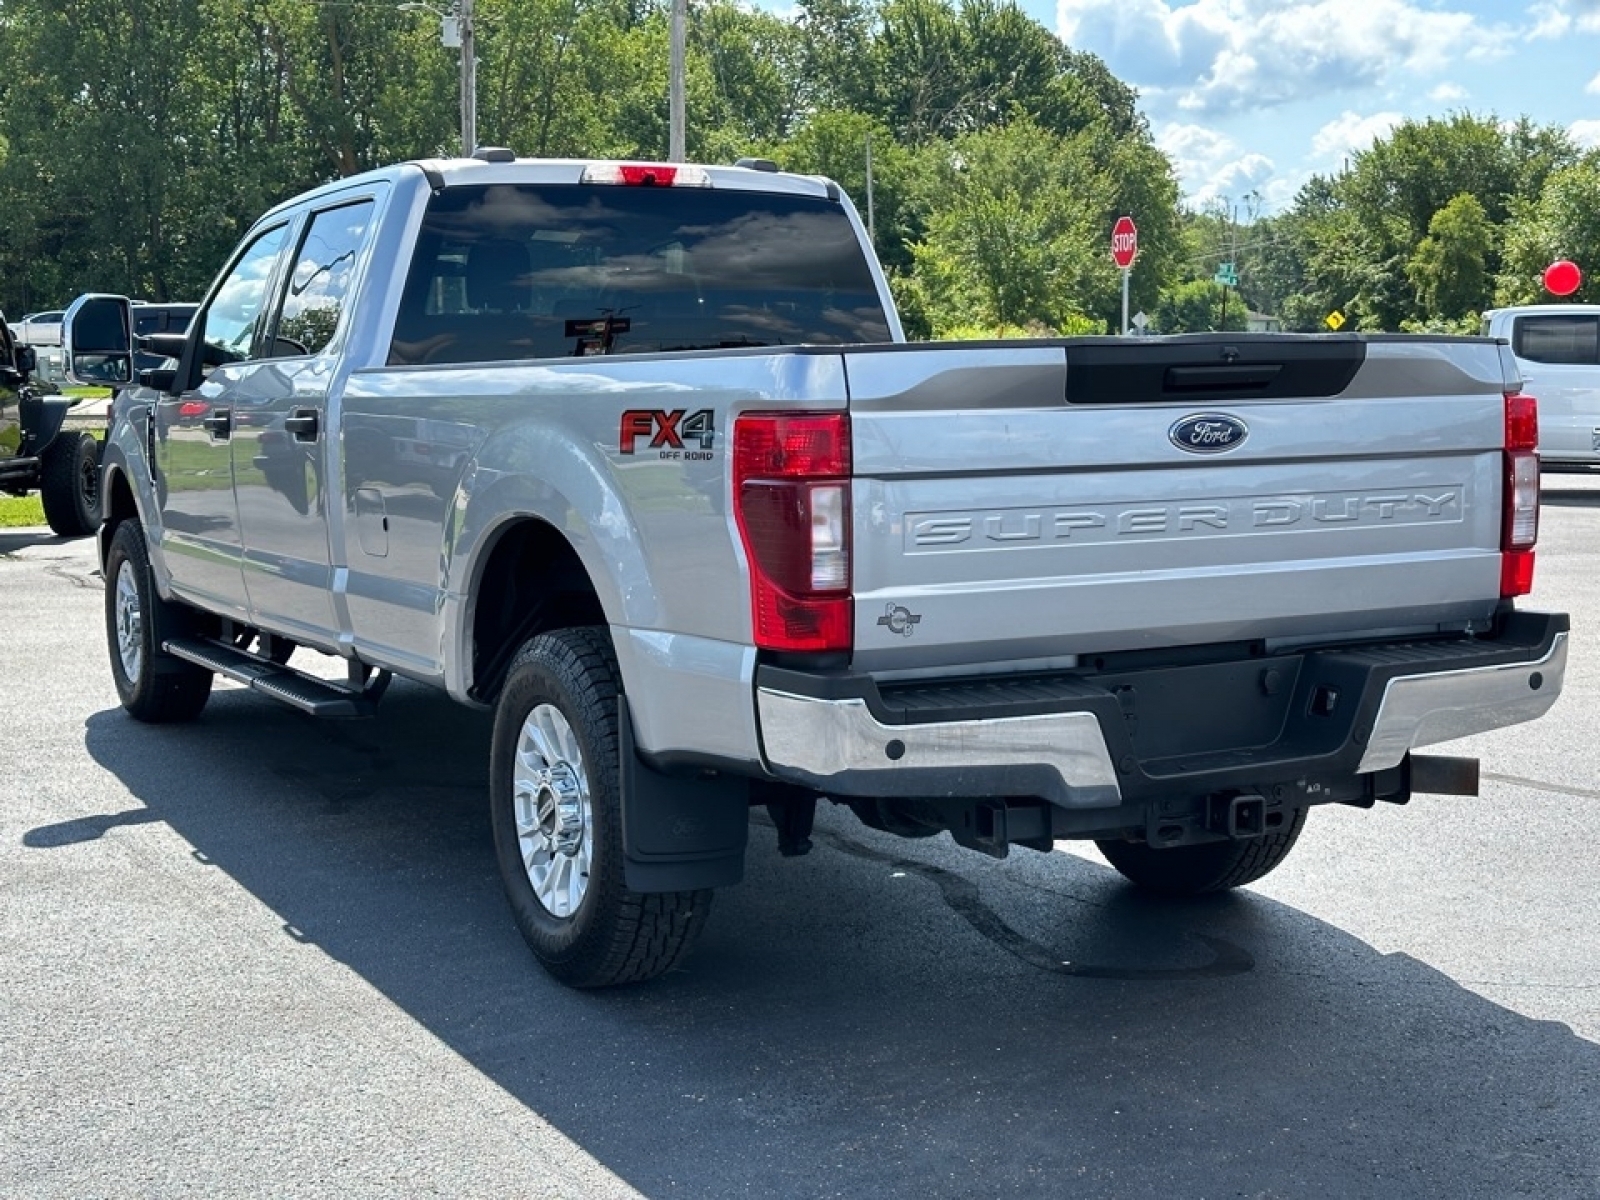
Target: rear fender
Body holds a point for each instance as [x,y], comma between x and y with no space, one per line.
[573,483]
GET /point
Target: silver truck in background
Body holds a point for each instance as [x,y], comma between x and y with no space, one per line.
[1557,348]
[636,454]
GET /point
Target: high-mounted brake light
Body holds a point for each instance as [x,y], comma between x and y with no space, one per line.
[646,175]
[1519,528]
[791,495]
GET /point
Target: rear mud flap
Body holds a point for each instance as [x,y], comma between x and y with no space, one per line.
[679,834]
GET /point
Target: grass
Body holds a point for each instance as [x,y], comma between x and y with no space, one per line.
[19,511]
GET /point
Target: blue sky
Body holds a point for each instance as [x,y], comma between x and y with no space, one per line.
[1257,95]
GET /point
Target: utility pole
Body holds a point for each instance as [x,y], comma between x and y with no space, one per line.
[469,79]
[872,223]
[677,149]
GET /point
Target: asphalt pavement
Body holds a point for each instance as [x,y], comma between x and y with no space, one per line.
[263,956]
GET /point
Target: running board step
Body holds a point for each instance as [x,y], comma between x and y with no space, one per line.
[309,694]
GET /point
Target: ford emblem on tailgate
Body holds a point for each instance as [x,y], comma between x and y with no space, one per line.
[1208,433]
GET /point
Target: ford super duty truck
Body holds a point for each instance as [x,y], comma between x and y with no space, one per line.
[636,455]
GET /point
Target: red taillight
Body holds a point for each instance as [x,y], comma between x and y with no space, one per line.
[1522,423]
[791,494]
[1519,528]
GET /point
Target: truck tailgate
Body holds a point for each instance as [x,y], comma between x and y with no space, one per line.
[1008,508]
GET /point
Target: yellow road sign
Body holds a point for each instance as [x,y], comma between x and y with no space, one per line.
[1334,320]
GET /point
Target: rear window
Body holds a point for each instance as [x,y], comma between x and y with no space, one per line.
[1558,339]
[507,272]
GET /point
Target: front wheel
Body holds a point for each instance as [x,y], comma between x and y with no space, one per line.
[69,484]
[556,810]
[153,685]
[1208,867]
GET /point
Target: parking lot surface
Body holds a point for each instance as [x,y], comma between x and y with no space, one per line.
[259,955]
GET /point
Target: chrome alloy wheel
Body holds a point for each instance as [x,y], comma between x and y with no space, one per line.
[130,624]
[555,819]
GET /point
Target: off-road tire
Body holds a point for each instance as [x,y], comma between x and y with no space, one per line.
[613,935]
[161,688]
[69,484]
[1208,867]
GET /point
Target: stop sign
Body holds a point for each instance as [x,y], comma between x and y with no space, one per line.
[1124,242]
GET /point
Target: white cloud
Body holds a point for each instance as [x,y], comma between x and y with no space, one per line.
[1348,133]
[1448,93]
[1558,18]
[1213,166]
[1220,56]
[1585,133]
[1593,86]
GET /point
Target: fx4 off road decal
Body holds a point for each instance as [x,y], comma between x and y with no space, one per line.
[675,433]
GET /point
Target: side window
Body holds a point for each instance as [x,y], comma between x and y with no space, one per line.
[238,310]
[1558,339]
[319,285]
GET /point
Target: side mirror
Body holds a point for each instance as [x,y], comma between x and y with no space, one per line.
[97,340]
[27,359]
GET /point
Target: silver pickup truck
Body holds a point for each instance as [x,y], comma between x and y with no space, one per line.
[636,455]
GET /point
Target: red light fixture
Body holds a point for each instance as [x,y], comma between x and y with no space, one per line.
[791,495]
[1519,523]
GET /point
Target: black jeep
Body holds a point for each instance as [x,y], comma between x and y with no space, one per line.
[37,452]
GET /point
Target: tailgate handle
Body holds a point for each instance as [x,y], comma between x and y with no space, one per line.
[1225,378]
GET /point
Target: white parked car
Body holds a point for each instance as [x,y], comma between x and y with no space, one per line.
[39,329]
[1557,347]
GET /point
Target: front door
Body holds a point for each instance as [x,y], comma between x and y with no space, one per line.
[194,434]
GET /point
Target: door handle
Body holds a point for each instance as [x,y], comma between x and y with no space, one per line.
[302,422]
[218,423]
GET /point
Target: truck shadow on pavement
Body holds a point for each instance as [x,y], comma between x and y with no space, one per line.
[879,1018]
[27,537]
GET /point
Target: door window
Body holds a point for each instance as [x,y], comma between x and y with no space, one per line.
[234,321]
[319,285]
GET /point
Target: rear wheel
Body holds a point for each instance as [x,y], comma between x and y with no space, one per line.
[69,484]
[556,810]
[153,685]
[1208,867]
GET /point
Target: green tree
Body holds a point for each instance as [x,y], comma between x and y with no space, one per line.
[1363,227]
[1562,222]
[1449,268]
[1007,242]
[1199,306]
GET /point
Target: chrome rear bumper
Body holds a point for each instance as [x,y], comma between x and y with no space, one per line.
[1391,699]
